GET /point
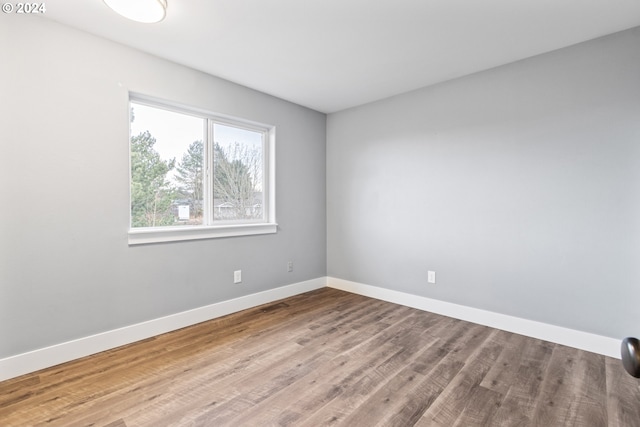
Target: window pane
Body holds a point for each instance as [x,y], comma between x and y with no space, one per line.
[238,174]
[166,167]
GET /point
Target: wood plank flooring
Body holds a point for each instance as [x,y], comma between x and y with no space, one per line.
[329,358]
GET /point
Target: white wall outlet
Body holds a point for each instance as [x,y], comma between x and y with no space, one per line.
[290,266]
[237,276]
[431,277]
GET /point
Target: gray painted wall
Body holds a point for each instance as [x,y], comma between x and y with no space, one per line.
[519,186]
[66,270]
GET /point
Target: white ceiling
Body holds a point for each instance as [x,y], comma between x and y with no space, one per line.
[334,54]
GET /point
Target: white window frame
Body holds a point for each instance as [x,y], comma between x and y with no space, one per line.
[217,229]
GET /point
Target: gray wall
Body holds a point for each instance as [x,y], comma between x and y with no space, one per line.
[66,270]
[519,186]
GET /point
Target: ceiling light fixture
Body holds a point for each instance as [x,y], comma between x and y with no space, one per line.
[146,11]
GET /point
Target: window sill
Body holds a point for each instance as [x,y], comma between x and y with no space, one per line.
[144,236]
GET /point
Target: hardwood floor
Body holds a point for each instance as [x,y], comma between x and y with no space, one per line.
[329,357]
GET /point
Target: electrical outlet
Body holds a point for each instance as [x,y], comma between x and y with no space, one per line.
[290,266]
[237,276]
[431,277]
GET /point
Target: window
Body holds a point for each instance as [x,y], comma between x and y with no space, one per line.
[197,175]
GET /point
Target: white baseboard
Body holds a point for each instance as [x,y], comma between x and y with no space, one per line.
[32,361]
[35,360]
[556,334]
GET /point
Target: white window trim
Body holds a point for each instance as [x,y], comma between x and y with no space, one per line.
[141,236]
[148,235]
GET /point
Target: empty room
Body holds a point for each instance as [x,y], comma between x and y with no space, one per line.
[297,213]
